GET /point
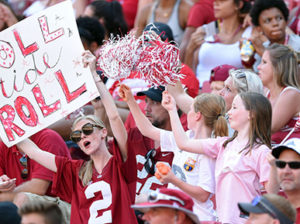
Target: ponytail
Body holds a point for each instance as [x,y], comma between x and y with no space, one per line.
[220,127]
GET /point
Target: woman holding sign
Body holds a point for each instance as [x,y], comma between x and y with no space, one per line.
[102,189]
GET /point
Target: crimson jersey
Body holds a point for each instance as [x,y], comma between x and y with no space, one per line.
[141,145]
[107,198]
[47,140]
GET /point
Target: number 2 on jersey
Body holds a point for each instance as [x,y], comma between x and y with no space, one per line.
[104,188]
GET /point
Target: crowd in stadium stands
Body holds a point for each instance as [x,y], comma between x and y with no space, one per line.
[222,145]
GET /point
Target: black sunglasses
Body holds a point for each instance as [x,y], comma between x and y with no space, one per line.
[293,165]
[150,163]
[24,172]
[86,129]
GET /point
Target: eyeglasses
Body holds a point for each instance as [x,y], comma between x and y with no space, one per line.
[24,172]
[293,165]
[155,196]
[260,202]
[86,129]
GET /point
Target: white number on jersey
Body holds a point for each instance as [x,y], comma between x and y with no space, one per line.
[104,188]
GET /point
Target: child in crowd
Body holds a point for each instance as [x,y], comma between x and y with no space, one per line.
[241,165]
[191,173]
[238,81]
[102,189]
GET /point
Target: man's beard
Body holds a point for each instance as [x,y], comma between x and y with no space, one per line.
[159,124]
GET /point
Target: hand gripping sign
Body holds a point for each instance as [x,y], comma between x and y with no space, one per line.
[42,78]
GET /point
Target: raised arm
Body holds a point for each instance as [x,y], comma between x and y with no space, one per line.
[272,186]
[44,158]
[182,141]
[142,122]
[183,100]
[116,123]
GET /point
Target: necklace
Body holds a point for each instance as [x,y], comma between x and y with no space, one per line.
[165,14]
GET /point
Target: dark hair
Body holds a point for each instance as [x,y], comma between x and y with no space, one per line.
[261,5]
[90,30]
[260,123]
[113,16]
[49,210]
[161,29]
[246,6]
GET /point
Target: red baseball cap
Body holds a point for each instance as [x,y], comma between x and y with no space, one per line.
[190,81]
[169,198]
[220,73]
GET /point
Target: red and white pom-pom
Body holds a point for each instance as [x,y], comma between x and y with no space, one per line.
[118,56]
[158,61]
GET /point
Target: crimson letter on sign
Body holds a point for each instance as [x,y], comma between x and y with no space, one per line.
[48,37]
[46,110]
[28,50]
[8,124]
[29,119]
[70,96]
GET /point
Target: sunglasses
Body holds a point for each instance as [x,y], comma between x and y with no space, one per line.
[242,75]
[86,129]
[24,172]
[293,165]
[150,162]
[155,196]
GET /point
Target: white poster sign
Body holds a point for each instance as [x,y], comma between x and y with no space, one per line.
[41,74]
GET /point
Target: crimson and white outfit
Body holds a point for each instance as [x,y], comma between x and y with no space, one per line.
[141,145]
[108,196]
[278,136]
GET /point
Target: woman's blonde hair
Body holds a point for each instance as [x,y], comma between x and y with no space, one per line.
[245,80]
[285,65]
[213,108]
[86,170]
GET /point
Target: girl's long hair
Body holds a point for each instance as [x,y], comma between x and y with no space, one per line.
[260,121]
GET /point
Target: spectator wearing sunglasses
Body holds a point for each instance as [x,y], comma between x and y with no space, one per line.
[285,171]
[238,81]
[241,165]
[167,206]
[192,173]
[102,189]
[23,179]
[268,209]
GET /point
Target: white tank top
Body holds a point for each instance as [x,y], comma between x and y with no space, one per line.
[212,55]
